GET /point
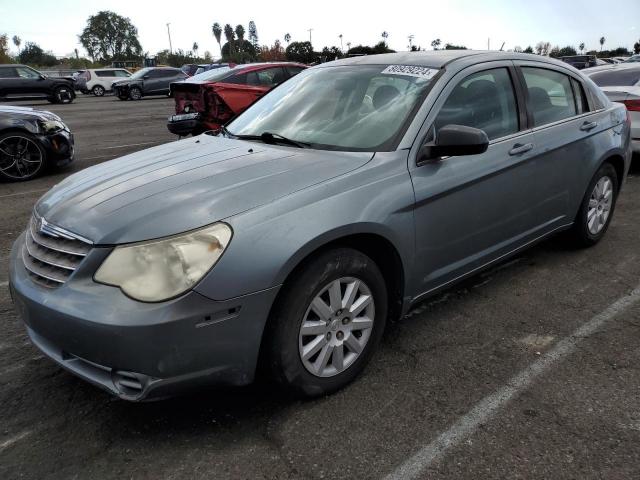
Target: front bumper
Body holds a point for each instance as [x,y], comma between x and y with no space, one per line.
[135,350]
[185,126]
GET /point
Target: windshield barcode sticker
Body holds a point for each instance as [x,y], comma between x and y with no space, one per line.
[410,70]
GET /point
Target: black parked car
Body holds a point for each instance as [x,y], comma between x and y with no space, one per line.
[581,61]
[23,81]
[30,141]
[148,81]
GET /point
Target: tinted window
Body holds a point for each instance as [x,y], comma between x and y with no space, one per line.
[240,78]
[24,72]
[294,70]
[105,73]
[550,95]
[617,78]
[270,77]
[483,100]
[8,72]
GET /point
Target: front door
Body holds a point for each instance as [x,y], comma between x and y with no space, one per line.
[471,210]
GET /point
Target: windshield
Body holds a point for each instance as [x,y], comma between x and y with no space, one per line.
[340,108]
[213,75]
[140,73]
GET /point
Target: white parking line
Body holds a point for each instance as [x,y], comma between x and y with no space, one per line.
[23,193]
[14,439]
[130,145]
[488,407]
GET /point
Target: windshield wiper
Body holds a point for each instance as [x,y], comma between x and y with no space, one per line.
[265,137]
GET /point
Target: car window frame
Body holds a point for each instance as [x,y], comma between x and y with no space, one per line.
[591,102]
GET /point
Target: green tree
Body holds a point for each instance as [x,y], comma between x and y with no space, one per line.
[543,48]
[244,53]
[230,35]
[300,52]
[567,51]
[602,40]
[529,49]
[450,46]
[17,41]
[329,54]
[240,35]
[32,54]
[581,46]
[4,49]
[436,43]
[253,34]
[636,47]
[216,29]
[109,36]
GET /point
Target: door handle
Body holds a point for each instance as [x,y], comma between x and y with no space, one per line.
[519,148]
[586,126]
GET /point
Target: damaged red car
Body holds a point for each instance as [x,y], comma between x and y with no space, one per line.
[209,100]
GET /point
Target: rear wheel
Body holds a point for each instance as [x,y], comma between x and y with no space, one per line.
[21,156]
[327,323]
[98,90]
[597,208]
[135,93]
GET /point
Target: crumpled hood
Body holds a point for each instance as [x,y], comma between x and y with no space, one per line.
[182,185]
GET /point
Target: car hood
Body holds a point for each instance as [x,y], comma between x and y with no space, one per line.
[27,112]
[183,185]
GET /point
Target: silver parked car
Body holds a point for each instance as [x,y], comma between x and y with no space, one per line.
[335,202]
[621,83]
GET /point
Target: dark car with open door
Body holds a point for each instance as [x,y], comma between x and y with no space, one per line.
[148,81]
[209,100]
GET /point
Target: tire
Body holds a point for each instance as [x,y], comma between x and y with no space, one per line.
[28,165]
[587,230]
[285,345]
[135,93]
[98,91]
[62,95]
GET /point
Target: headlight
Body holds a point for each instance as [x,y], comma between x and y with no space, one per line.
[162,269]
[52,126]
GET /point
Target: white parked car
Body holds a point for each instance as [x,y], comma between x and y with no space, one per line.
[99,80]
[621,83]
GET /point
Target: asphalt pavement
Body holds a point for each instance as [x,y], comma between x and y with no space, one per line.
[530,370]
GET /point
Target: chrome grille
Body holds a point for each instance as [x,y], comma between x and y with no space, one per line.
[51,254]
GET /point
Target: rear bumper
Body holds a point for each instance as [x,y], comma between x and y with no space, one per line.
[134,350]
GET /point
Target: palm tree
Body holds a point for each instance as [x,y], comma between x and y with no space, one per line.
[581,47]
[17,41]
[240,35]
[385,35]
[340,37]
[230,35]
[217,32]
[195,49]
[602,40]
[75,50]
[348,46]
[287,38]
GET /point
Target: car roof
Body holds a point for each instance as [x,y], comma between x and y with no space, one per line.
[251,66]
[439,58]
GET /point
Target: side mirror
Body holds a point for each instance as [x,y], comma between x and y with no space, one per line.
[455,140]
[42,77]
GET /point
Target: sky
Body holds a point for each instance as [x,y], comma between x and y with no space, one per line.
[56,24]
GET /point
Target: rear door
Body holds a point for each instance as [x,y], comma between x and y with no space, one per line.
[566,126]
[9,80]
[153,84]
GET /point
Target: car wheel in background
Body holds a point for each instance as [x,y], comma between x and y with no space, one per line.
[21,156]
[597,208]
[62,95]
[327,323]
[98,90]
[135,93]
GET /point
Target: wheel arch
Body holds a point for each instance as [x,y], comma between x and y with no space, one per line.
[617,160]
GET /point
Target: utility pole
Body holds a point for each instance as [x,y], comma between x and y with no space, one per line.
[310,30]
[169,33]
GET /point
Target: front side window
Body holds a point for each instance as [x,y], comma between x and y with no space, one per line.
[8,72]
[550,97]
[354,108]
[483,100]
[24,72]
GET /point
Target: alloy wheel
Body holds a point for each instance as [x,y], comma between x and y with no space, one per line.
[600,204]
[20,157]
[336,327]
[63,95]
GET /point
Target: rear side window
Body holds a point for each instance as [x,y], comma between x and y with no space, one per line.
[104,73]
[550,95]
[292,71]
[8,72]
[617,78]
[581,100]
[484,100]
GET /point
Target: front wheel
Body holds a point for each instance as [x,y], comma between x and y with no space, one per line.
[21,156]
[597,208]
[98,91]
[135,93]
[327,323]
[62,95]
